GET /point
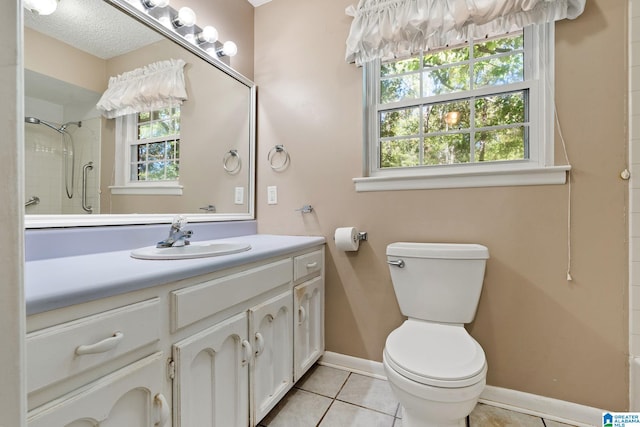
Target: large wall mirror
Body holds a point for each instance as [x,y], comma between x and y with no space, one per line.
[73,163]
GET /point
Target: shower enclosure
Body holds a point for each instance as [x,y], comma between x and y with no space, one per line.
[62,148]
[60,160]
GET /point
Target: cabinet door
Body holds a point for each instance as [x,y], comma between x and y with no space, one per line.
[129,397]
[211,385]
[272,335]
[309,325]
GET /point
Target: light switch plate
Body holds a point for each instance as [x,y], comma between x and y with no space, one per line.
[272,195]
[239,196]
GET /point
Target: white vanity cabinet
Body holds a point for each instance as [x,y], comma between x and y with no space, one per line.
[218,350]
[211,382]
[130,397]
[308,325]
[271,325]
[308,311]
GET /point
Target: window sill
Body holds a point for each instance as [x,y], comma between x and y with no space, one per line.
[149,190]
[466,179]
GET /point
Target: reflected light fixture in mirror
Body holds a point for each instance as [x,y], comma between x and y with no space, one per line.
[186,18]
[41,7]
[229,48]
[150,4]
[208,35]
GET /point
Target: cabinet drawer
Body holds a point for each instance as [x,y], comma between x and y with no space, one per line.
[206,299]
[64,350]
[307,264]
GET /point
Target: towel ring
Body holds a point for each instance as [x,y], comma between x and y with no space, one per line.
[229,165]
[272,155]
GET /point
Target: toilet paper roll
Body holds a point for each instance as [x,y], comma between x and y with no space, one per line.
[347,239]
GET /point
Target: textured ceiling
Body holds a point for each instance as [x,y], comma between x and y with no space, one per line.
[94,27]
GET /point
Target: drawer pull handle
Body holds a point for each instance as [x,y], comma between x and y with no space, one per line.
[162,411]
[259,343]
[102,346]
[302,315]
[246,347]
[312,264]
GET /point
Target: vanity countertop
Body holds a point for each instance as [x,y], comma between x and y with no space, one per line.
[60,282]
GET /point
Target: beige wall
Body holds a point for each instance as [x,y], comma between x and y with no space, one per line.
[53,58]
[541,334]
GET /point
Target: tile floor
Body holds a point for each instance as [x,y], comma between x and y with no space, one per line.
[329,397]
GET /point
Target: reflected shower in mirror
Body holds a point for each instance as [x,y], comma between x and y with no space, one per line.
[76,158]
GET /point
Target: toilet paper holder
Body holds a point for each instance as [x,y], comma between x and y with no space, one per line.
[362,236]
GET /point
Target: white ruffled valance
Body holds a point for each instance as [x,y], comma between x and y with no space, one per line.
[152,87]
[395,28]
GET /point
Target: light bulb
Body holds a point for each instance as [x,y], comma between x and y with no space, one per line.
[41,7]
[150,4]
[186,18]
[208,35]
[228,49]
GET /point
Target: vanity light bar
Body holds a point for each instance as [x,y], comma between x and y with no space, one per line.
[150,4]
[183,22]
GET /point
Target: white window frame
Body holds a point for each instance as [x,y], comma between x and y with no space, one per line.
[126,131]
[538,169]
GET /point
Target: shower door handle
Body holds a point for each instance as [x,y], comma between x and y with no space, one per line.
[85,170]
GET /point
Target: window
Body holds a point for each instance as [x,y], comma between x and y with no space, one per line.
[148,153]
[475,114]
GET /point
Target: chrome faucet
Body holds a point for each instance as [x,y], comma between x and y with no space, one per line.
[177,236]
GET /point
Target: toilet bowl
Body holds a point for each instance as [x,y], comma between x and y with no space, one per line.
[436,370]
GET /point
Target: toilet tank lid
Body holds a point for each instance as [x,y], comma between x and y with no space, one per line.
[438,250]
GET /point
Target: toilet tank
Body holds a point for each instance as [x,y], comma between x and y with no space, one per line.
[439,282]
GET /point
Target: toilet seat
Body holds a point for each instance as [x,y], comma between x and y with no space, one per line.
[435,354]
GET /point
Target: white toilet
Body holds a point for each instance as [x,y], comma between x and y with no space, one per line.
[435,368]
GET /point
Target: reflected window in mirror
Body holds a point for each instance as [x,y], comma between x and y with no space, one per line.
[155,148]
[148,152]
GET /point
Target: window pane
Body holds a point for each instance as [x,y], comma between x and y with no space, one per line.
[155,171]
[446,56]
[446,80]
[399,67]
[144,117]
[447,149]
[498,110]
[399,88]
[499,45]
[502,144]
[400,122]
[446,116]
[173,170]
[141,150]
[499,71]
[138,172]
[400,153]
[156,150]
[144,131]
[172,149]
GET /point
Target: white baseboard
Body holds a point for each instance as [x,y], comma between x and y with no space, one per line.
[634,383]
[353,364]
[526,403]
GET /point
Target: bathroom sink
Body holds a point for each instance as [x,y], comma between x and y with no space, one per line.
[194,250]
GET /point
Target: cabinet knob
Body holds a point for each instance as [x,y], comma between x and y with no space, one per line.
[248,352]
[162,411]
[302,315]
